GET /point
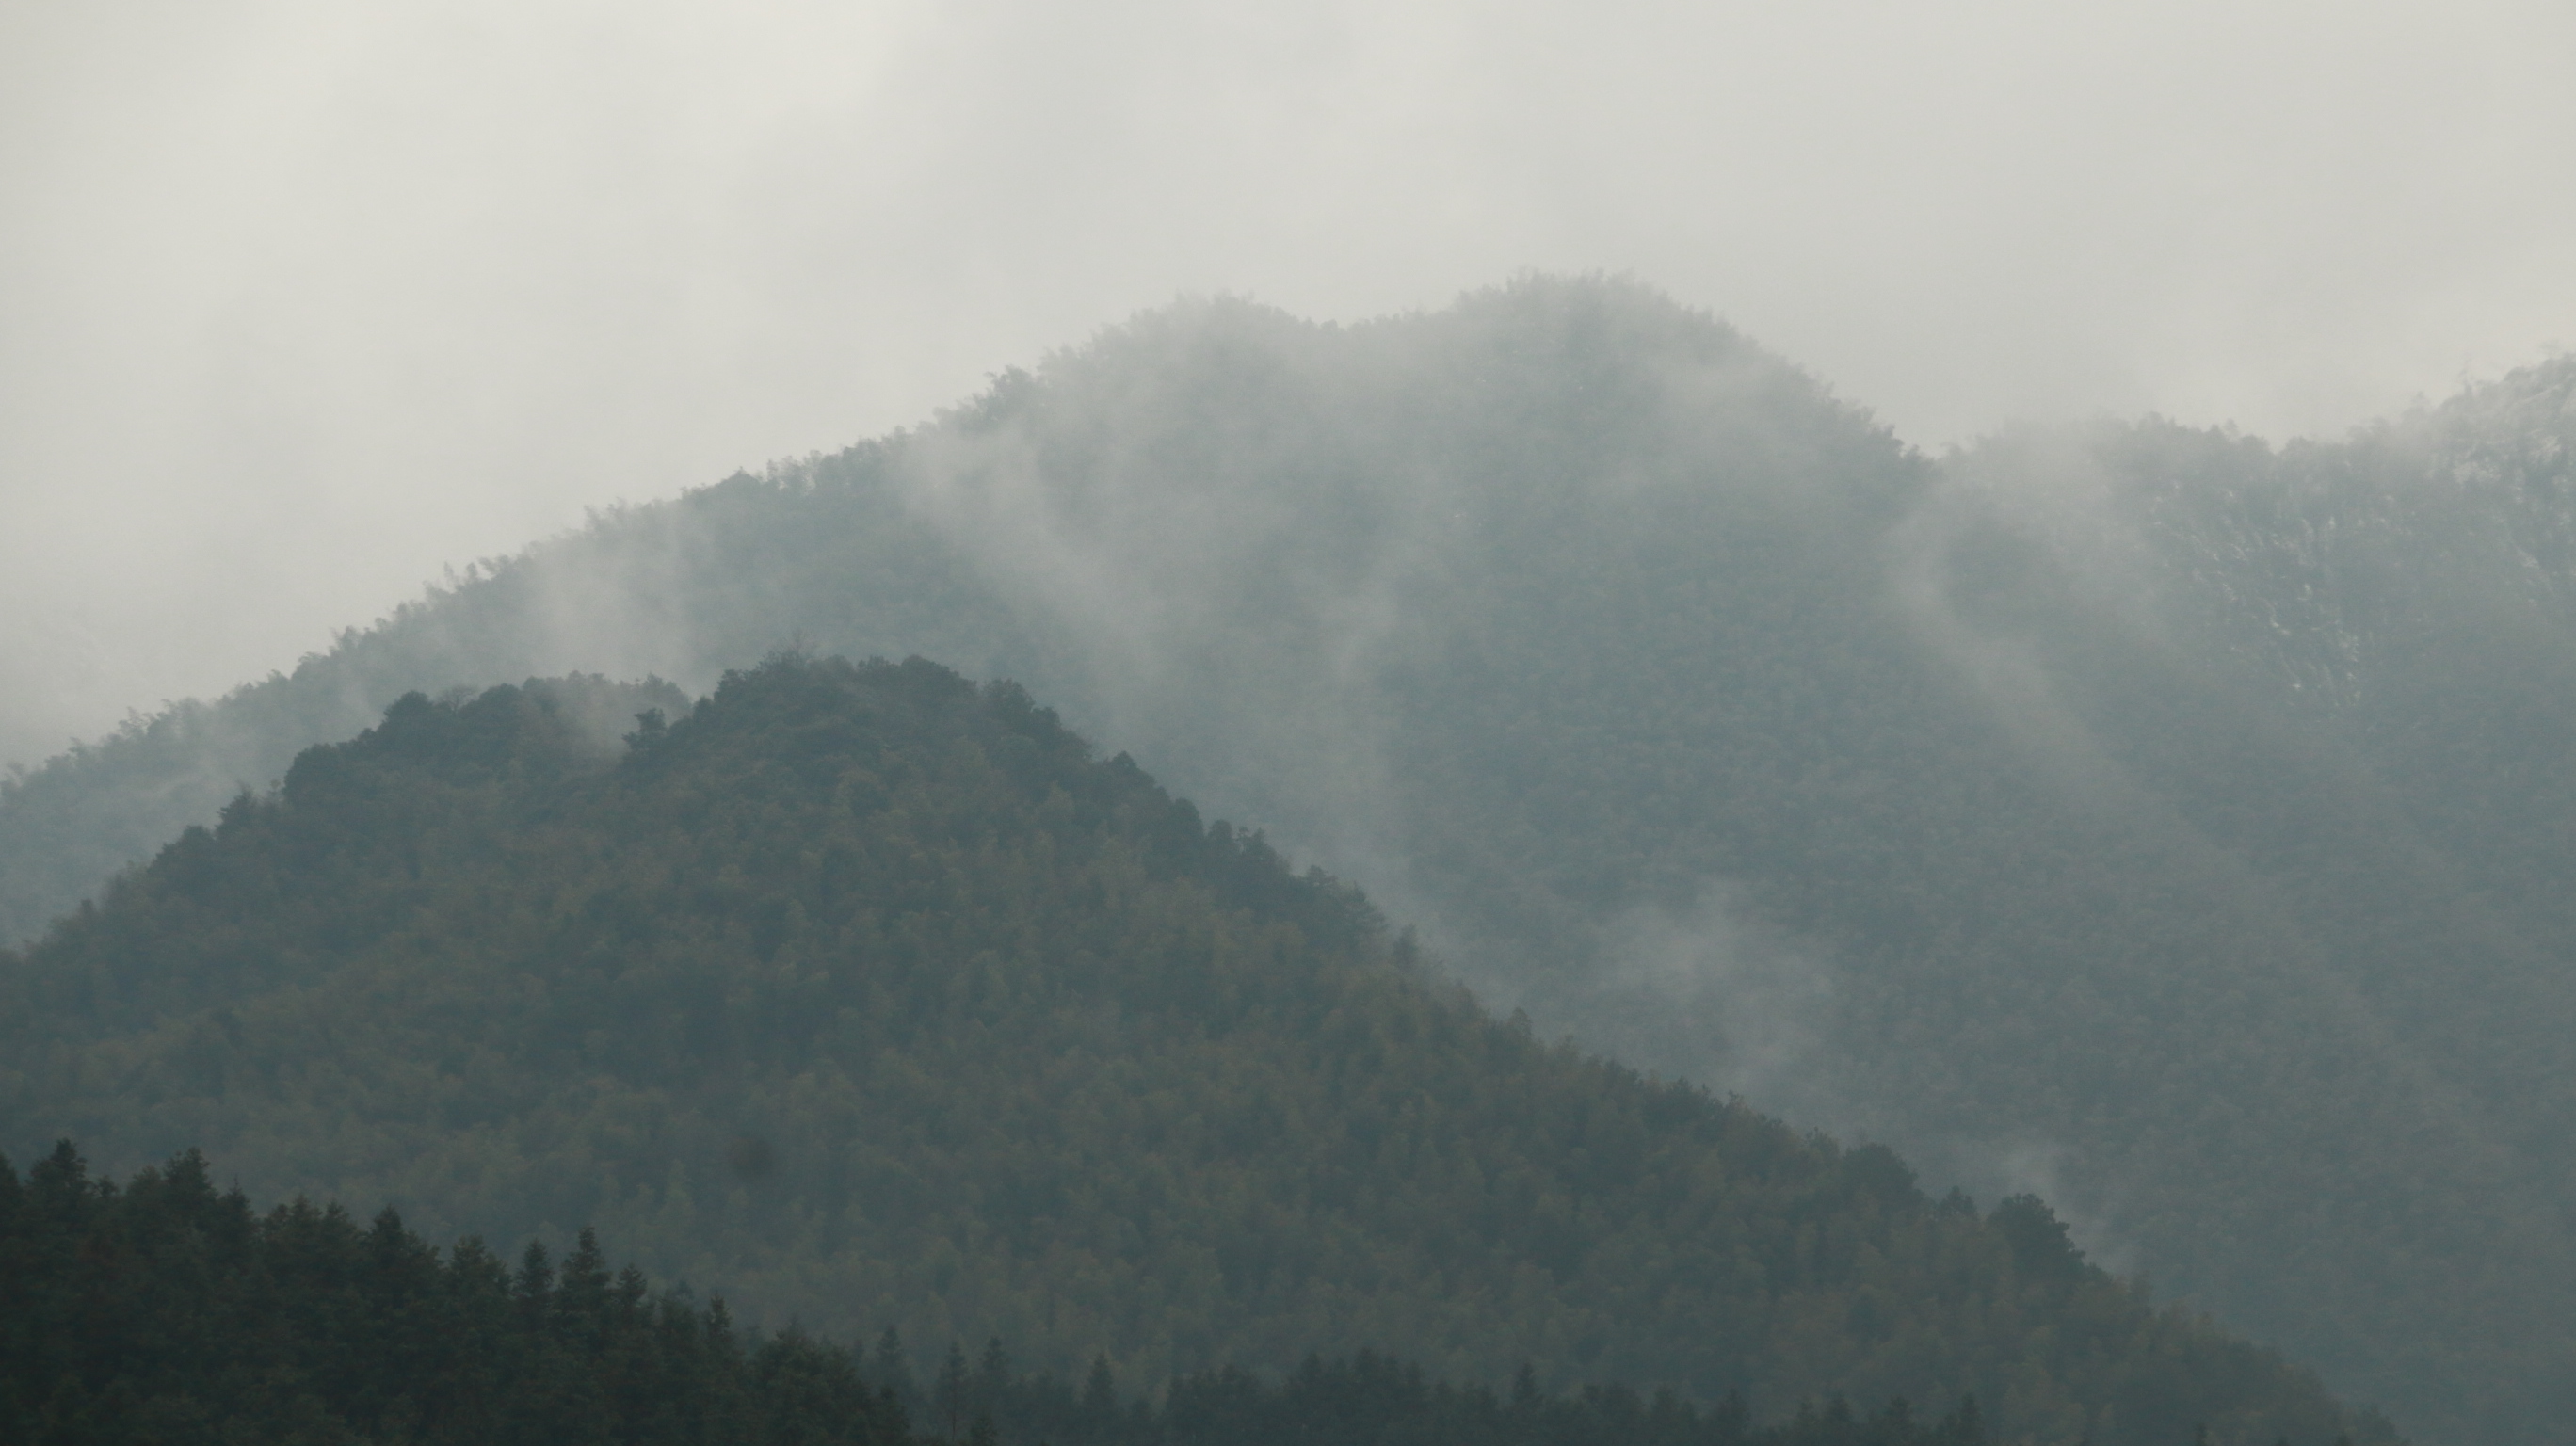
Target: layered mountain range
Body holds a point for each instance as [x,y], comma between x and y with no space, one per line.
[2158,820]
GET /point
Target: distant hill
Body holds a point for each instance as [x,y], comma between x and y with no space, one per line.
[2155,819]
[872,996]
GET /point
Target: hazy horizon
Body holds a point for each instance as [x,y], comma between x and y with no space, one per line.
[303,305]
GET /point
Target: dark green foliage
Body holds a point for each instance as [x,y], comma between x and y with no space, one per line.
[165,1311]
[1367,1399]
[866,993]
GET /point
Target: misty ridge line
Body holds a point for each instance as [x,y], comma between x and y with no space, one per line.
[1971,468]
[1825,721]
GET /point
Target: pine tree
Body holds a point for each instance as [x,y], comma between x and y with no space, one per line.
[953,1391]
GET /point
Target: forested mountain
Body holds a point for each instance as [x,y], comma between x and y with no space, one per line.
[2156,819]
[871,994]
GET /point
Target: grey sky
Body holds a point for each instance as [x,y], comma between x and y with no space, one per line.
[300,302]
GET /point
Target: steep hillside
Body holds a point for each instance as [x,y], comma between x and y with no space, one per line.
[2154,819]
[870,996]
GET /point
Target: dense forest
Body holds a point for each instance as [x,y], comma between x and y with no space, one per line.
[872,995]
[168,1312]
[2159,820]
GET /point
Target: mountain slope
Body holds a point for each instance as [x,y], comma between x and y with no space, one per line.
[870,996]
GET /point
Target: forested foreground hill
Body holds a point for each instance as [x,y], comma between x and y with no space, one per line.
[2163,821]
[164,1311]
[871,997]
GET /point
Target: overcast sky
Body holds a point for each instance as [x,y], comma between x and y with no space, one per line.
[301,302]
